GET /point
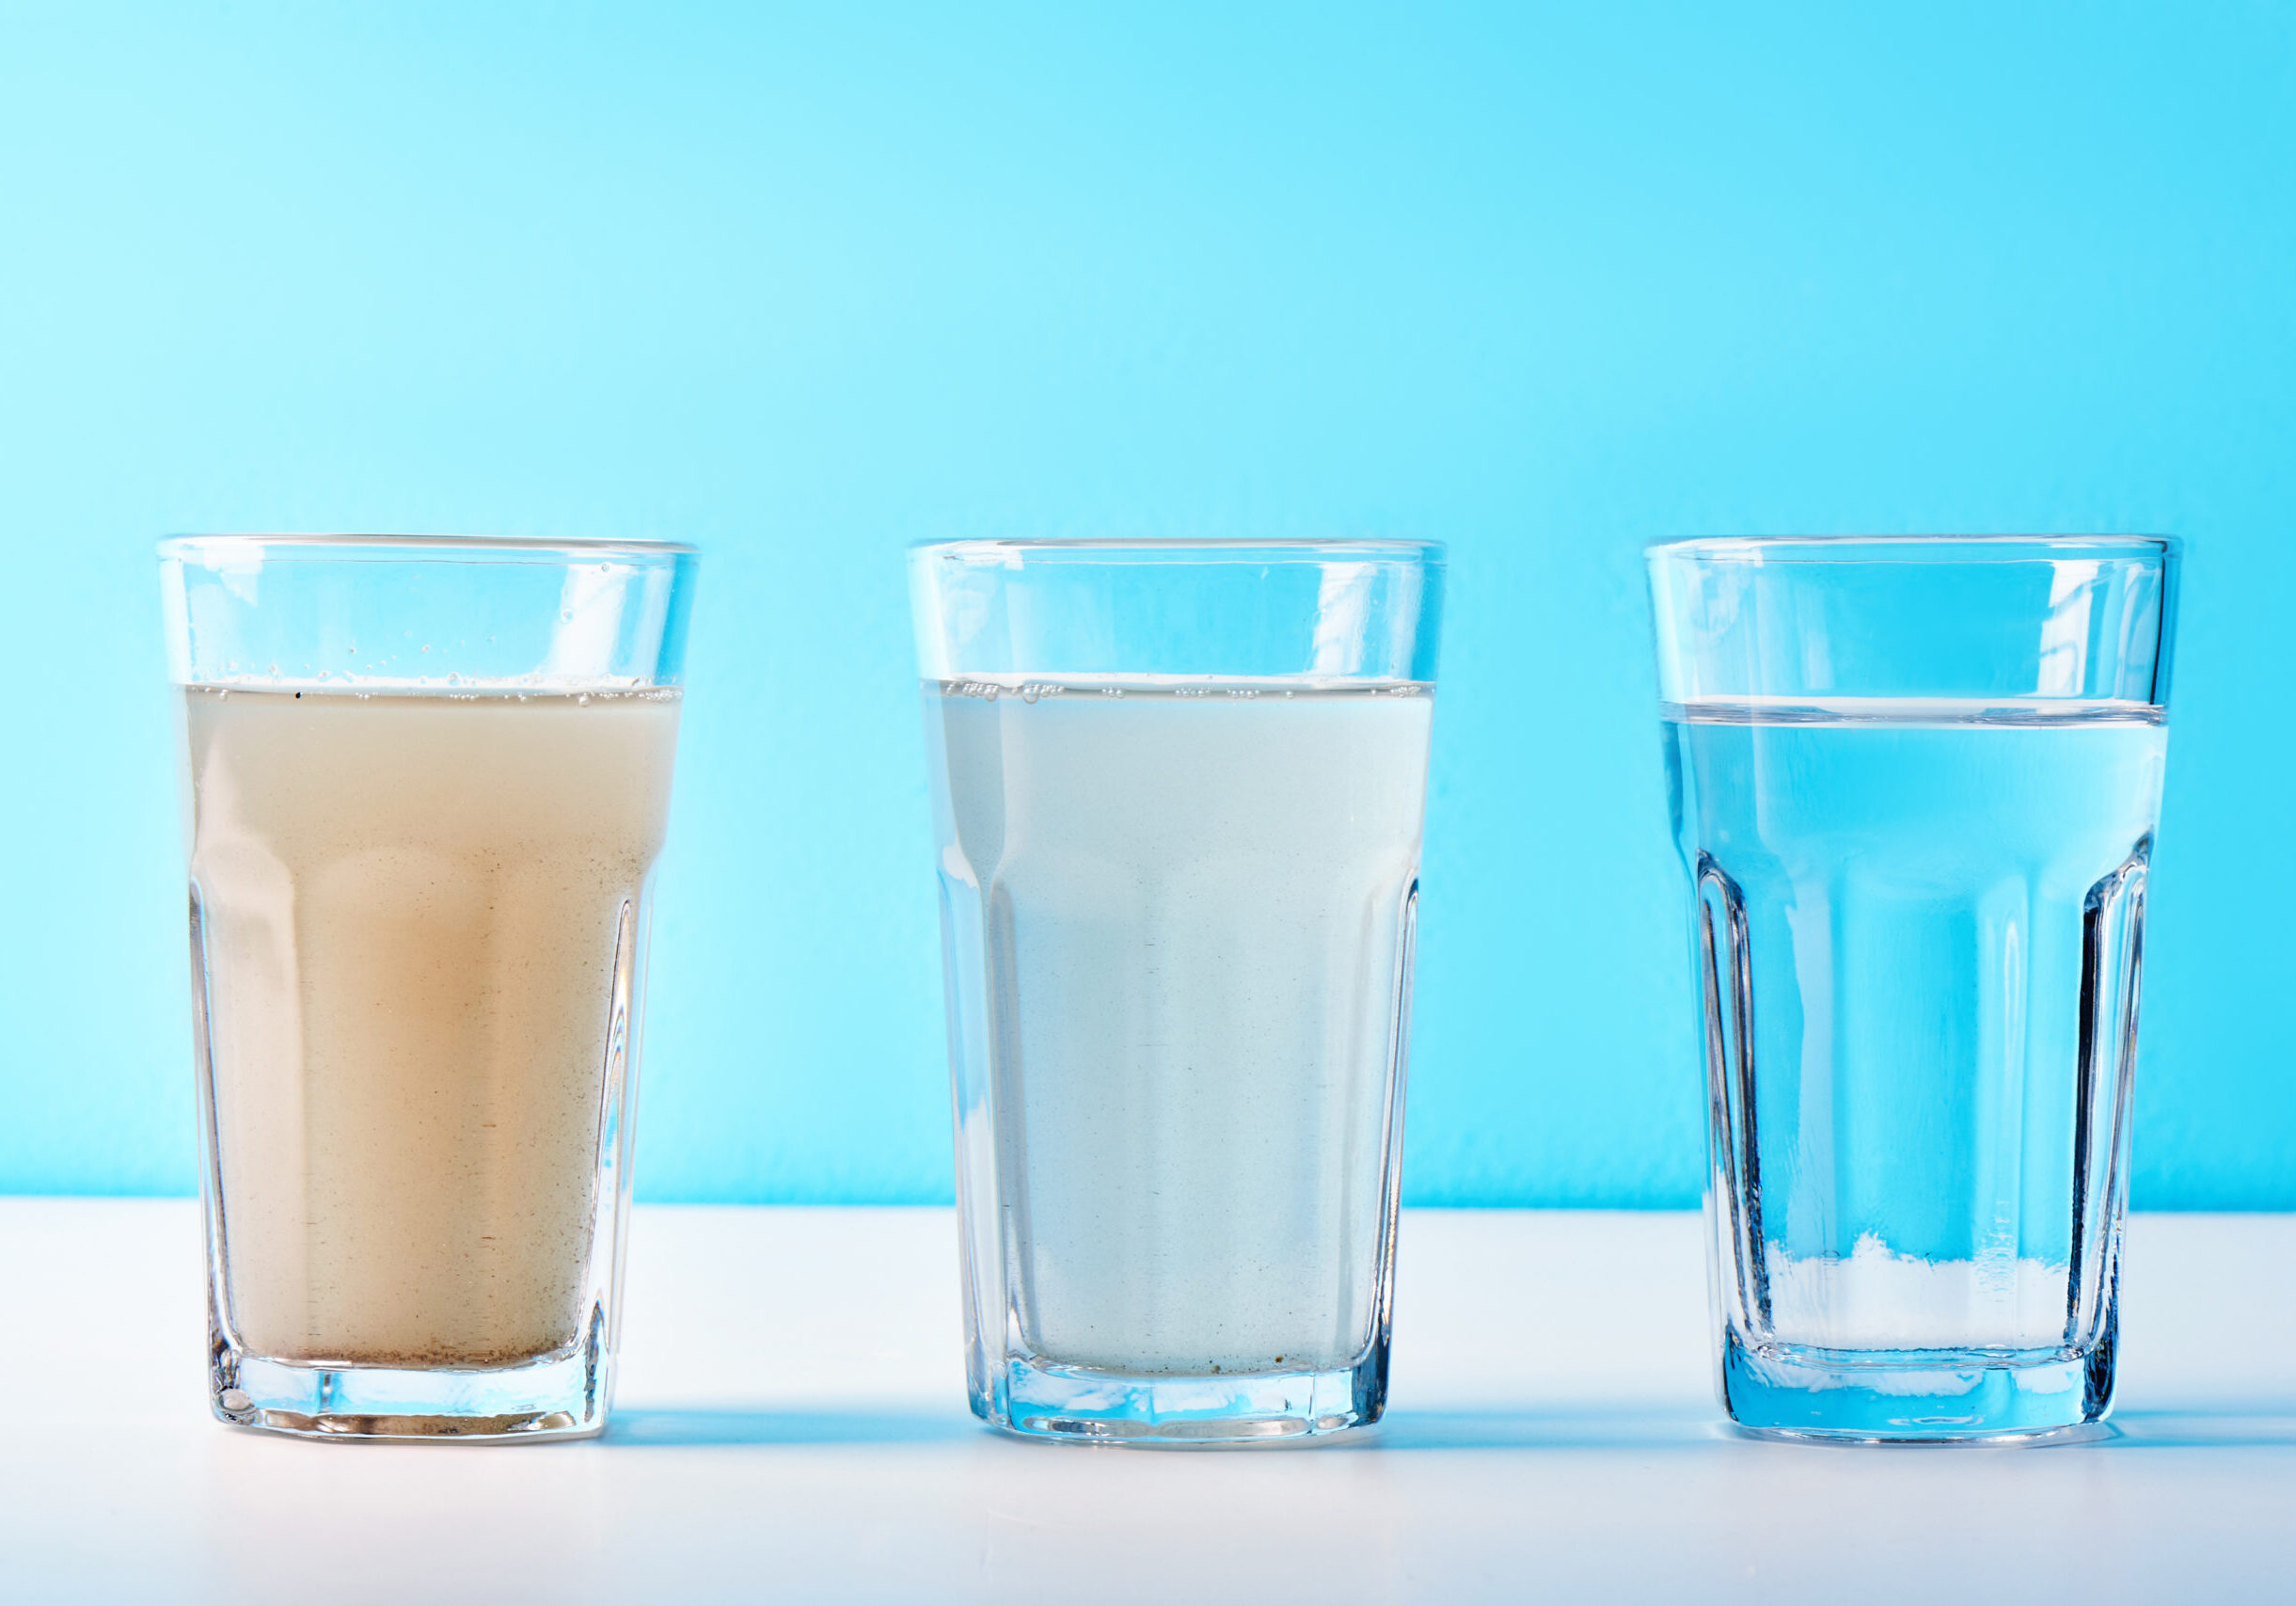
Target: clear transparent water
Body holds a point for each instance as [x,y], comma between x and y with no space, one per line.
[1918,927]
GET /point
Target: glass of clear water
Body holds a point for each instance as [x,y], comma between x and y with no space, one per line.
[1178,789]
[1915,784]
[427,779]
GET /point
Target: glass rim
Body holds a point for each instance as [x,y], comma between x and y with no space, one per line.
[1205,548]
[376,547]
[1908,548]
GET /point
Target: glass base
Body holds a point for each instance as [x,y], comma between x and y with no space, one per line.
[560,1396]
[1040,1399]
[1912,1396]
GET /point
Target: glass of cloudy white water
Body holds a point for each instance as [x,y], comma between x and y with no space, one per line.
[1178,789]
[427,781]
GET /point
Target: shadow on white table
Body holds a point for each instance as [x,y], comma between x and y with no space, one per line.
[791,1425]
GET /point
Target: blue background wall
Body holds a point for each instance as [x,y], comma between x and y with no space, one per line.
[805,286]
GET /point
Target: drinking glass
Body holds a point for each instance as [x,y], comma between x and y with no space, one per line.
[1915,784]
[426,782]
[1178,789]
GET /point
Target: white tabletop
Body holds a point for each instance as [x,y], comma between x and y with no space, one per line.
[791,1424]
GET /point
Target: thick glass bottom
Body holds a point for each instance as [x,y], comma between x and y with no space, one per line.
[1041,1399]
[560,1396]
[1912,1396]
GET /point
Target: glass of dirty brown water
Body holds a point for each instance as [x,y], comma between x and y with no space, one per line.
[427,781]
